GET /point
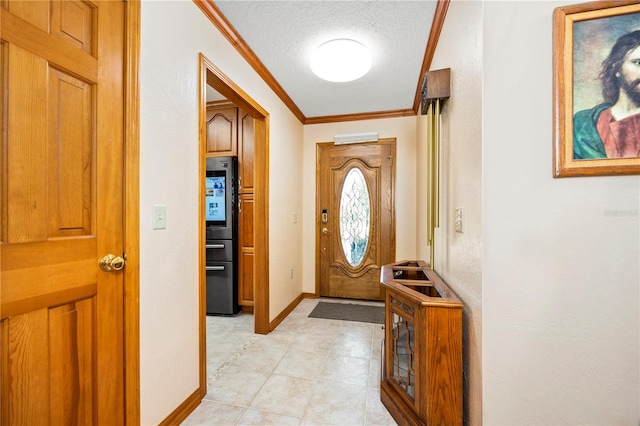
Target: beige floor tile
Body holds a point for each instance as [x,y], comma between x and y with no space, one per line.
[214,413]
[321,326]
[214,363]
[376,413]
[339,405]
[356,329]
[263,418]
[310,422]
[296,363]
[343,369]
[284,395]
[375,374]
[229,344]
[357,347]
[378,331]
[376,348]
[313,342]
[215,322]
[236,386]
[258,359]
[275,340]
[305,307]
[293,324]
[309,371]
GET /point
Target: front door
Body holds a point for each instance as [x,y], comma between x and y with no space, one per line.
[355,218]
[61,180]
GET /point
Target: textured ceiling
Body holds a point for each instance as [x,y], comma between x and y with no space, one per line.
[282,34]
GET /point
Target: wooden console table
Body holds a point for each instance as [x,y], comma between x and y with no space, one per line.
[422,351]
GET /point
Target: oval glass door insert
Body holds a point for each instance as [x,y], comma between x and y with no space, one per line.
[355,212]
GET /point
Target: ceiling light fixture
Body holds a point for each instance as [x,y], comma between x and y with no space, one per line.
[341,60]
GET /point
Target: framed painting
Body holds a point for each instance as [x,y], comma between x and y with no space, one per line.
[596,89]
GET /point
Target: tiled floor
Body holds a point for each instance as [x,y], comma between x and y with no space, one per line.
[308,371]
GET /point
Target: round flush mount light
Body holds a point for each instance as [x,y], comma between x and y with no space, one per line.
[341,60]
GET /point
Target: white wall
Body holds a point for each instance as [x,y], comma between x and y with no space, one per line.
[458,256]
[404,130]
[172,35]
[560,273]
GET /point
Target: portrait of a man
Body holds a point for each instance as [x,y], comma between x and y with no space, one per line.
[611,128]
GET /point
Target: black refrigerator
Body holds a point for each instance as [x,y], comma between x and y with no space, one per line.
[221,200]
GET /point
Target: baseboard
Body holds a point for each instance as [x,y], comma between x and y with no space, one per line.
[277,320]
[309,295]
[182,412]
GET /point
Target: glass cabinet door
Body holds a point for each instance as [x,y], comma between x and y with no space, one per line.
[403,354]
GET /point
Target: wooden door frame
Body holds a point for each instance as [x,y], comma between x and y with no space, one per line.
[319,145]
[214,77]
[131,218]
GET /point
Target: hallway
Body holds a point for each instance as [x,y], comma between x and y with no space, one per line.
[308,371]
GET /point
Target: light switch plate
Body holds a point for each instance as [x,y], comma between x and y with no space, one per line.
[159,217]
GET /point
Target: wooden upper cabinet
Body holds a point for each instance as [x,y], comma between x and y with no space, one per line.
[245,152]
[222,129]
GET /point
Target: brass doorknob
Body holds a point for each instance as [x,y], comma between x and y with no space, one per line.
[325,230]
[111,263]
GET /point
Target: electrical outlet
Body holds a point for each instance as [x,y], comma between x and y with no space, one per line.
[291,272]
[458,220]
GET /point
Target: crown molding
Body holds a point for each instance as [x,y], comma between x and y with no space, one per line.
[216,17]
[434,36]
[359,116]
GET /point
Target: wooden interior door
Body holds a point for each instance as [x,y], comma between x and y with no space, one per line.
[355,218]
[62,210]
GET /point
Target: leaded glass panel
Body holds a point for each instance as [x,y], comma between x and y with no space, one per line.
[355,212]
[403,354]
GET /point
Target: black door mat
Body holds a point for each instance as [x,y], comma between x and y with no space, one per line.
[349,312]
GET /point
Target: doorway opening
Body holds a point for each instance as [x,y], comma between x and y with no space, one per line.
[213,77]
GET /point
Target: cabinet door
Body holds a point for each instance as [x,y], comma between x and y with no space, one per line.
[222,130]
[245,250]
[245,152]
[403,354]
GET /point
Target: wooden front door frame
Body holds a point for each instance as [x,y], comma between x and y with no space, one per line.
[214,77]
[132,212]
[392,195]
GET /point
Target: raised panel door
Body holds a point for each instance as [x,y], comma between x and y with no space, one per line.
[245,250]
[61,317]
[355,218]
[222,130]
[245,152]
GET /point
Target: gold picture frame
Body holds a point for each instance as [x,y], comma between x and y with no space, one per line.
[584,37]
